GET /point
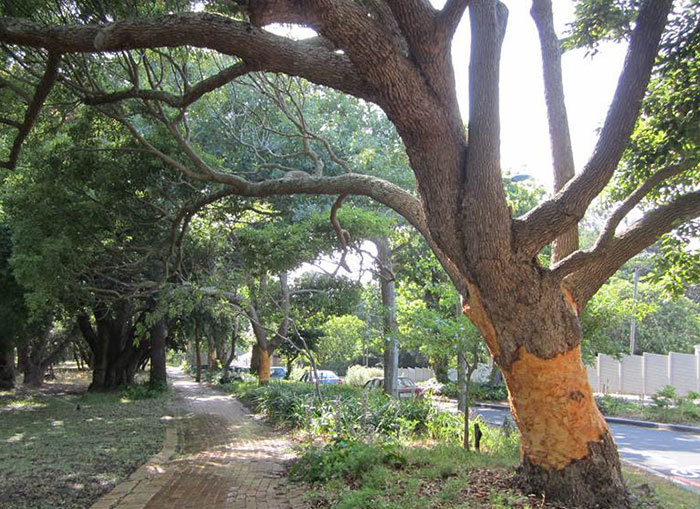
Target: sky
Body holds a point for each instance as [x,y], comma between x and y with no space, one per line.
[589,84]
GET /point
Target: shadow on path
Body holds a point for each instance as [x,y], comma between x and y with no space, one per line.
[224,458]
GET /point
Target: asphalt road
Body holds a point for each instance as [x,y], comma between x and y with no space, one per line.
[670,454]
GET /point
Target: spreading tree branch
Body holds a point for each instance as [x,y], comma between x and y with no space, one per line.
[599,266]
[550,219]
[177,101]
[42,91]
[580,259]
[257,47]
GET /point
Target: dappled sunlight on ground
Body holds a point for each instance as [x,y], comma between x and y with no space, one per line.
[224,458]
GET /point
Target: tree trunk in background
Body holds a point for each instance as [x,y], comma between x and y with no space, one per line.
[290,365]
[211,355]
[234,341]
[7,365]
[159,334]
[389,327]
[255,359]
[197,351]
[34,374]
[265,358]
[115,356]
[439,365]
[22,354]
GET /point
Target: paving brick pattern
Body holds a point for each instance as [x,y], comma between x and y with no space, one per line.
[224,458]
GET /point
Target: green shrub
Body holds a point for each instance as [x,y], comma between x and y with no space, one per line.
[358,375]
[144,390]
[346,459]
[664,398]
[489,392]
[610,405]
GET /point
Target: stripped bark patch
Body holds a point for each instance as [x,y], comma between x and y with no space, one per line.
[561,434]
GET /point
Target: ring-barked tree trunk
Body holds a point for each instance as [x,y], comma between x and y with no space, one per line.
[396,54]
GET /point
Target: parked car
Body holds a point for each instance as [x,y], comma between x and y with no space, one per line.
[278,372]
[407,389]
[324,377]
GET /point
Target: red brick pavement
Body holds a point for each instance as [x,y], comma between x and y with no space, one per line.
[225,458]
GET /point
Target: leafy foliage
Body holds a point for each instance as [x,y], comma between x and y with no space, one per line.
[664,323]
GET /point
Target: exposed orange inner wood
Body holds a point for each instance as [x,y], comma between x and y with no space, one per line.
[264,367]
[569,296]
[553,405]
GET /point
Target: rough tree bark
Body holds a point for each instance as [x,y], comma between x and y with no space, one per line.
[396,53]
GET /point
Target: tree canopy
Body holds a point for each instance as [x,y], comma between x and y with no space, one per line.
[150,71]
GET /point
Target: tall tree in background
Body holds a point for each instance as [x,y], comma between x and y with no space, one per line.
[396,54]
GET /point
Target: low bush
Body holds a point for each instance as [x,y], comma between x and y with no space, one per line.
[344,459]
[478,391]
[358,375]
[666,406]
[349,413]
[610,405]
[344,411]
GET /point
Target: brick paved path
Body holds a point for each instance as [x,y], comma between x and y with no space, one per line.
[225,458]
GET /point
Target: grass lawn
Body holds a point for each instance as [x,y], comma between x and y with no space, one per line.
[60,448]
[442,476]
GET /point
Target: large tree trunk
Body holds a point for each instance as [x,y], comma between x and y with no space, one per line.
[568,453]
[159,333]
[7,365]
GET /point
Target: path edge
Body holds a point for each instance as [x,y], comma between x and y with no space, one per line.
[147,471]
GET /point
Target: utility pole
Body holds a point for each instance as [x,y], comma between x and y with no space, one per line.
[633,323]
[389,327]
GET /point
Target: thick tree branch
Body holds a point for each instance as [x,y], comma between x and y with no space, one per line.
[257,47]
[637,195]
[429,45]
[484,208]
[391,195]
[599,266]
[580,259]
[550,219]
[562,153]
[177,101]
[42,91]
[452,13]
[11,123]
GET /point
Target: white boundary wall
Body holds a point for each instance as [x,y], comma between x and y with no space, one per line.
[645,374]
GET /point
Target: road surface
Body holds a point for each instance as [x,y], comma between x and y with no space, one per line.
[671,454]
